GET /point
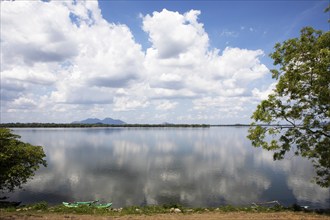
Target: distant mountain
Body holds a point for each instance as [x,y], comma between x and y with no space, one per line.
[167,123]
[110,121]
[107,121]
[88,121]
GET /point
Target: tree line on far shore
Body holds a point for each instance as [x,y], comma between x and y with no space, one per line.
[71,125]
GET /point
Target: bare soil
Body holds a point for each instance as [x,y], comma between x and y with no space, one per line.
[170,216]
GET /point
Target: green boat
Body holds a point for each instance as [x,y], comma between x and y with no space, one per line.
[87,203]
[100,206]
[70,205]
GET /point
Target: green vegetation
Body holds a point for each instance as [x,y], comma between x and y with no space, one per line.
[147,210]
[18,160]
[301,99]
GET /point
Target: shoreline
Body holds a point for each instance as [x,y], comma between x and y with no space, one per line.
[43,211]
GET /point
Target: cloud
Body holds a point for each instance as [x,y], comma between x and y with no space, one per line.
[40,74]
[262,95]
[23,103]
[223,104]
[68,57]
[227,33]
[195,69]
[172,33]
[28,37]
[83,63]
[166,105]
[127,104]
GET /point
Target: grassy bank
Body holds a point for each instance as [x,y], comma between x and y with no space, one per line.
[44,208]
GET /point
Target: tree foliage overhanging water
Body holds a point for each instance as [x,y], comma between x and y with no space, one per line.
[18,160]
[301,99]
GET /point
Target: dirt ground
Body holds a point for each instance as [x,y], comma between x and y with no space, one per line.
[172,216]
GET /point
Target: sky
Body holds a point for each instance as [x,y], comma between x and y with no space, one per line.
[149,61]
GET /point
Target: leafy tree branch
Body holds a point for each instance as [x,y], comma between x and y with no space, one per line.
[18,160]
[301,101]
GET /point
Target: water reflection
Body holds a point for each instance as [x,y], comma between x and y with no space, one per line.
[194,167]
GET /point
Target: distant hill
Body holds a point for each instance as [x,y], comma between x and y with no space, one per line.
[106,121]
[167,123]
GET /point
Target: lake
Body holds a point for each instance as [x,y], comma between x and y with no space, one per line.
[194,167]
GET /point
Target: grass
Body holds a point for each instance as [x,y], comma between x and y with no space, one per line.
[43,207]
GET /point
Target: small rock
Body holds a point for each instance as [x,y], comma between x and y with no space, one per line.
[190,210]
[138,210]
[177,210]
[207,210]
[217,209]
[17,210]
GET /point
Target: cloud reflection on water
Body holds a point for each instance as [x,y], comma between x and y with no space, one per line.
[194,167]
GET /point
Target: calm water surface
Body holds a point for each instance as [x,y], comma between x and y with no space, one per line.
[195,167]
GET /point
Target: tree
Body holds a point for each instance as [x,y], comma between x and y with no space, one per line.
[18,160]
[301,101]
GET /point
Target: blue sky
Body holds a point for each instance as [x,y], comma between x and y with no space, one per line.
[143,61]
[245,24]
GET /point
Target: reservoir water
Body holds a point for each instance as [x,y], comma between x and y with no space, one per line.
[194,167]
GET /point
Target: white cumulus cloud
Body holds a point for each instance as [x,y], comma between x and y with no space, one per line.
[66,57]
